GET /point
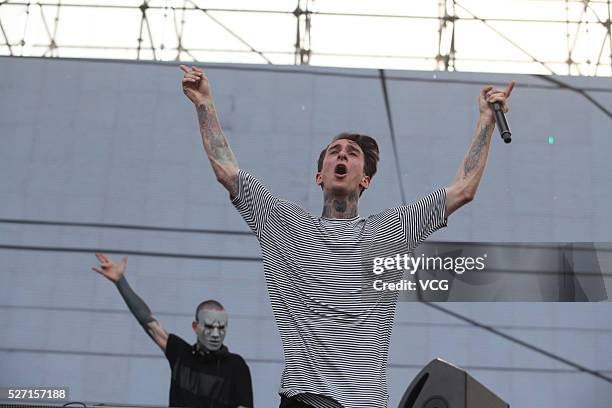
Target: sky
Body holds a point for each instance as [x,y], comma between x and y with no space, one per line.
[519,36]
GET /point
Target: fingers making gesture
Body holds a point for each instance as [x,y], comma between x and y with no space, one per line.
[489,95]
[110,269]
[195,84]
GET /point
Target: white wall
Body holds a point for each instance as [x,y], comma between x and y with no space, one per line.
[117,143]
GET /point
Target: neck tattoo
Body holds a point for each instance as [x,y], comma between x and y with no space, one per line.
[340,207]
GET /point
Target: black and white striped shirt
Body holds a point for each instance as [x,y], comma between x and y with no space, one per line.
[335,331]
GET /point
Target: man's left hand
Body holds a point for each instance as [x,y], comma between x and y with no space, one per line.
[489,95]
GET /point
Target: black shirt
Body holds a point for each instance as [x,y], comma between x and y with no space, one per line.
[217,379]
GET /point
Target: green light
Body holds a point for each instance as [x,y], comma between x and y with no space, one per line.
[551,140]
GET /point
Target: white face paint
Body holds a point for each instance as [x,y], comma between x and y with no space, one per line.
[211,328]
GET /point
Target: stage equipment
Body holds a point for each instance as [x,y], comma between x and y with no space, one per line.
[443,385]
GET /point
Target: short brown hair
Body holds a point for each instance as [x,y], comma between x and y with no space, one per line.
[368,146]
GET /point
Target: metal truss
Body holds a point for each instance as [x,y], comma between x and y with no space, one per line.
[168,30]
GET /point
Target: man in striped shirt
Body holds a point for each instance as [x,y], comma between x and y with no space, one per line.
[335,332]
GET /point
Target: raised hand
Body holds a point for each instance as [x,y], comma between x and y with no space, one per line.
[109,269]
[195,84]
[489,95]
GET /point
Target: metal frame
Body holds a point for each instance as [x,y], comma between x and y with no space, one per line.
[447,58]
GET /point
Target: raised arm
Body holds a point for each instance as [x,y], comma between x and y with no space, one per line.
[115,273]
[197,88]
[463,188]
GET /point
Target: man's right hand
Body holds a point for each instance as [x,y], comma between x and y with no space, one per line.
[109,269]
[220,155]
[195,84]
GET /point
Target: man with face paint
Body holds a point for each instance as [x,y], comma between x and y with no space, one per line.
[210,324]
[205,374]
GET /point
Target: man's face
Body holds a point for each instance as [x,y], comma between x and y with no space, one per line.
[211,328]
[342,171]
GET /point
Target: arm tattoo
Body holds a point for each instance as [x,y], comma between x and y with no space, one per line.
[474,155]
[233,186]
[219,153]
[214,141]
[137,306]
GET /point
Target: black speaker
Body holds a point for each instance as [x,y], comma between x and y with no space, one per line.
[442,385]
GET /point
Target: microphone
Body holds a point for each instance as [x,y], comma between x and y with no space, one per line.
[502,123]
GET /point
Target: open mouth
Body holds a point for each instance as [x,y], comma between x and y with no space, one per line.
[340,169]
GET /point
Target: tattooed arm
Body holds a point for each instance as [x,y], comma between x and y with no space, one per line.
[463,188]
[115,273]
[197,88]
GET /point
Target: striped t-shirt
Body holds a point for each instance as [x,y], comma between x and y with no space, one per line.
[335,331]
